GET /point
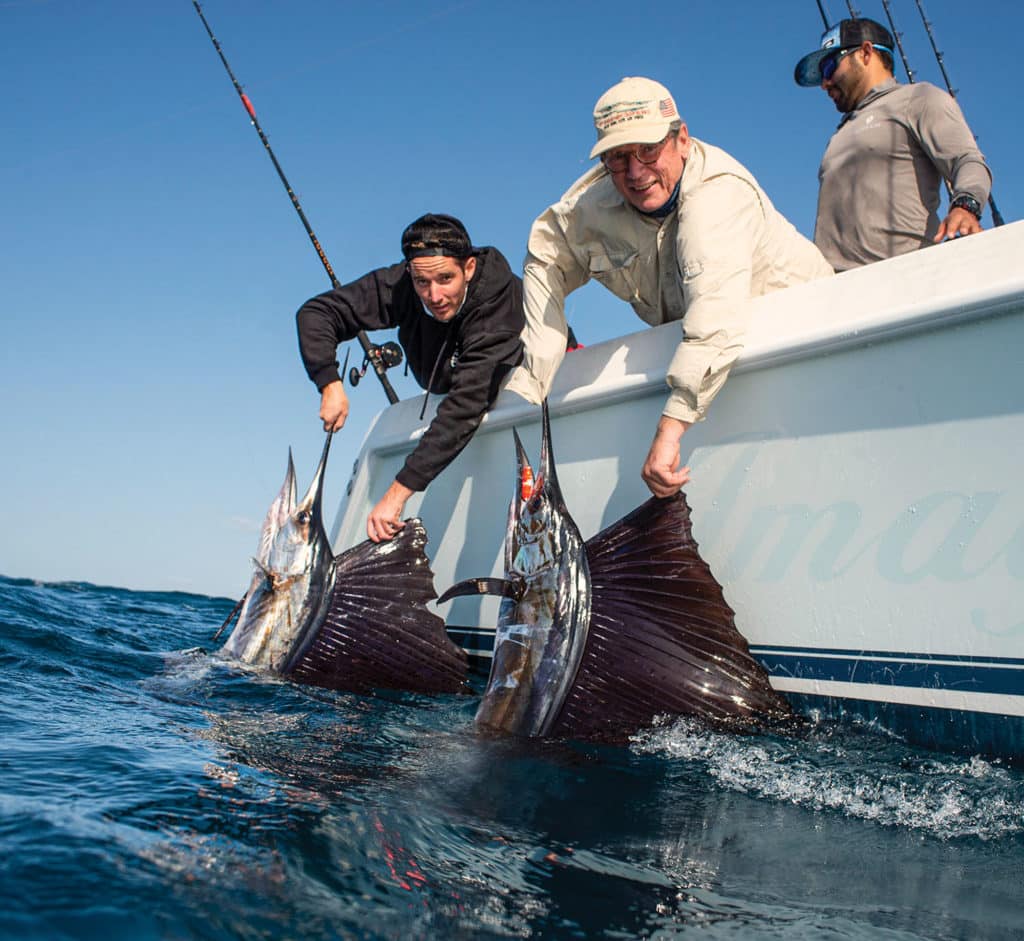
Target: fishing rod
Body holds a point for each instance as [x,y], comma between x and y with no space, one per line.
[997,217]
[379,357]
[261,562]
[854,14]
[898,36]
[241,601]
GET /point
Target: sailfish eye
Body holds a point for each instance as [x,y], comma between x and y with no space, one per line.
[302,517]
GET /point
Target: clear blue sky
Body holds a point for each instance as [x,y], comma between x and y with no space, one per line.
[152,263]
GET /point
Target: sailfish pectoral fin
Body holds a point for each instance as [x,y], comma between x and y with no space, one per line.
[377,631]
[662,637]
[501,587]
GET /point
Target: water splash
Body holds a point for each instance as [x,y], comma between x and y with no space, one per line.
[860,773]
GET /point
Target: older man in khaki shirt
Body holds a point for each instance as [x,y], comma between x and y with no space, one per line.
[678,229]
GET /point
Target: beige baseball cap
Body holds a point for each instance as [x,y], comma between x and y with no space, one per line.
[635,111]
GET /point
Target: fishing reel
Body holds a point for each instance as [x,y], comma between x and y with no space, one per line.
[387,354]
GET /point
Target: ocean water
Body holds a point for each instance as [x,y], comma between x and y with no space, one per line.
[150,790]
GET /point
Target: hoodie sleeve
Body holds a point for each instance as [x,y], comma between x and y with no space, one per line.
[338,315]
[491,350]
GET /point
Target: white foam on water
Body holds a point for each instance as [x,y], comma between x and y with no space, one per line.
[860,775]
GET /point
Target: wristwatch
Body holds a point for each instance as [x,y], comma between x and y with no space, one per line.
[968,202]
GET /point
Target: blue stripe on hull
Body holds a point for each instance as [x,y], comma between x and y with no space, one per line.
[989,733]
[476,641]
[875,654]
[999,676]
[967,733]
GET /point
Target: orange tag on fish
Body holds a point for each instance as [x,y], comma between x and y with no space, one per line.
[526,484]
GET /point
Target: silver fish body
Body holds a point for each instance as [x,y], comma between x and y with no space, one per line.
[356,621]
[542,629]
[294,574]
[596,639]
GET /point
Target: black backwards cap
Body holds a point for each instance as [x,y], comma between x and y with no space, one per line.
[436,234]
[847,35]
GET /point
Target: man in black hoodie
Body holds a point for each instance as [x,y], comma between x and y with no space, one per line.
[459,314]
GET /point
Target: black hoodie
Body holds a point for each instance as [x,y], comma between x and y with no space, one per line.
[481,345]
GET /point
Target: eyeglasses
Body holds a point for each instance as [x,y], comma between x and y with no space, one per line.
[831,62]
[618,160]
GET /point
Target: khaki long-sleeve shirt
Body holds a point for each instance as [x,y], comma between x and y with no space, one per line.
[723,244]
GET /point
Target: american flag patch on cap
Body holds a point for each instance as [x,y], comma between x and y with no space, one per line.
[667,107]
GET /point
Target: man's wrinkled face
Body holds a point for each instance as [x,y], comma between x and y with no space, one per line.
[648,186]
[441,283]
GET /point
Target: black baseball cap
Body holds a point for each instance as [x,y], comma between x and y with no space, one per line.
[846,35]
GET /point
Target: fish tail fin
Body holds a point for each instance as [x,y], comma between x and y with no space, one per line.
[378,632]
[662,637]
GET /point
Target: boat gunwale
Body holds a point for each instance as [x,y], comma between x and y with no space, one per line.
[773,339]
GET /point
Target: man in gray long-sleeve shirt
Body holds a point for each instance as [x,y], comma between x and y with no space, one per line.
[880,176]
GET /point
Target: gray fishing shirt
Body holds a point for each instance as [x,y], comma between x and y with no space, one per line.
[880,176]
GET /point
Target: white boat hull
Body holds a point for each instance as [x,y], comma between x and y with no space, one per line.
[856,488]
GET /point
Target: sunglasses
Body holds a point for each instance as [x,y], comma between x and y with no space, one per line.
[830,63]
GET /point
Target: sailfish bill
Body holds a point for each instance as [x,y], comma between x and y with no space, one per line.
[355,621]
[597,638]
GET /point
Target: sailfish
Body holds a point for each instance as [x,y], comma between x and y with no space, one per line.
[596,638]
[355,621]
